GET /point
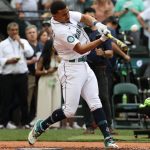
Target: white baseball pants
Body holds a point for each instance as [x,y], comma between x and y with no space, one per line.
[77,79]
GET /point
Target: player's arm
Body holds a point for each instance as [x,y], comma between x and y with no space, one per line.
[88,20]
[81,49]
[91,21]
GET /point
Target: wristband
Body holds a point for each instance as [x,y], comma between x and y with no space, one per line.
[103,38]
[95,22]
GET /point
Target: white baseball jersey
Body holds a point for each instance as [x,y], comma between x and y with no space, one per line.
[76,77]
[72,34]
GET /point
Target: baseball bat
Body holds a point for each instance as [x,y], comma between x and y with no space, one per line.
[122,45]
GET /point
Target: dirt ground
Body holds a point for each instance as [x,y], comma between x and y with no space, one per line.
[16,145]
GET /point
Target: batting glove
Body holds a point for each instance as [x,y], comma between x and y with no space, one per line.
[100,27]
[106,32]
[103,37]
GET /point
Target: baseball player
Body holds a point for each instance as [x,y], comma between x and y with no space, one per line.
[76,77]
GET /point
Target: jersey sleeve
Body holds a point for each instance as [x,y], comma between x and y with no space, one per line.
[75,15]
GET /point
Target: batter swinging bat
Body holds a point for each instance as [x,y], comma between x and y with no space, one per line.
[122,45]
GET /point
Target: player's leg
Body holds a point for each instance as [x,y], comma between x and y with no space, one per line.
[71,85]
[41,125]
[90,94]
[71,95]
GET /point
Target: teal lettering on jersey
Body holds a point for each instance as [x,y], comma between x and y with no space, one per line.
[78,33]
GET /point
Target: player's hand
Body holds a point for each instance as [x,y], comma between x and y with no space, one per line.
[100,27]
[106,32]
[103,37]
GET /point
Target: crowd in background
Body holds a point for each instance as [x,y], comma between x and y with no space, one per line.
[36,71]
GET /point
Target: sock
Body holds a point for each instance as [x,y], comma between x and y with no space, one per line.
[56,116]
[101,121]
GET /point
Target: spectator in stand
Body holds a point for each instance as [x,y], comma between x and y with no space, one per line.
[100,65]
[43,36]
[112,23]
[98,61]
[49,89]
[127,11]
[31,35]
[46,25]
[45,5]
[28,5]
[103,8]
[144,19]
[76,5]
[13,66]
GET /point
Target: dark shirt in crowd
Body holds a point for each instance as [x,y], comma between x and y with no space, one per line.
[31,67]
[93,58]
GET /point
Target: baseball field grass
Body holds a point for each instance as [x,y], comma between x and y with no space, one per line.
[70,140]
[75,135]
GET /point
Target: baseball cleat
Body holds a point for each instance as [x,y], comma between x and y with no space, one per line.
[109,143]
[35,132]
